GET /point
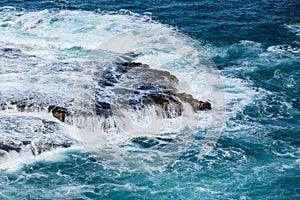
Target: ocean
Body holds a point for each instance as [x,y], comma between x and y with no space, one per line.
[241,56]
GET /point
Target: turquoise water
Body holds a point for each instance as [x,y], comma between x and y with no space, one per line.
[253,49]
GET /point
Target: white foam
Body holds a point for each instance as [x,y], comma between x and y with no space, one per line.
[14,161]
[164,50]
[283,49]
[294,28]
[70,36]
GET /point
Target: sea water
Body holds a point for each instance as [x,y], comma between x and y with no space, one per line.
[242,56]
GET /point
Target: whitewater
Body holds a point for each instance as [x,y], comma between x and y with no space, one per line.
[55,56]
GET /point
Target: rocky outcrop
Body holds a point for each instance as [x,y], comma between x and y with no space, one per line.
[28,105]
[196,104]
[58,112]
[136,85]
[35,147]
[160,96]
[32,105]
[128,85]
[12,53]
[35,135]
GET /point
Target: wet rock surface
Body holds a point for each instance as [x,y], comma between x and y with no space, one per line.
[58,112]
[32,104]
[36,135]
[130,85]
[36,147]
[126,85]
[134,85]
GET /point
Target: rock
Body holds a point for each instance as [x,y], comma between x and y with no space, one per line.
[196,104]
[35,147]
[58,112]
[13,53]
[9,147]
[27,104]
[204,105]
[11,50]
[123,85]
[138,86]
[43,146]
[103,109]
[134,64]
[151,142]
[34,104]
[3,106]
[35,135]
[128,85]
[160,96]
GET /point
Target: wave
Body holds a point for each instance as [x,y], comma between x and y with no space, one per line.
[294,28]
[52,52]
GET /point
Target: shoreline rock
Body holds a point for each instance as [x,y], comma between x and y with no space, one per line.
[142,86]
[127,85]
[137,85]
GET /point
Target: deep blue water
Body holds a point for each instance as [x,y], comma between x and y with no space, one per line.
[255,46]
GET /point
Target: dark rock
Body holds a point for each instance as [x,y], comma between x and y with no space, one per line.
[106,83]
[43,146]
[151,142]
[21,106]
[196,104]
[127,85]
[35,137]
[36,148]
[165,99]
[103,109]
[9,147]
[112,75]
[134,64]
[26,142]
[27,104]
[9,50]
[204,105]
[3,106]
[58,112]
[138,86]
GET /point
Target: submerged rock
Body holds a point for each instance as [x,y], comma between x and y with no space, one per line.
[36,147]
[12,53]
[27,104]
[32,134]
[33,105]
[9,147]
[151,142]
